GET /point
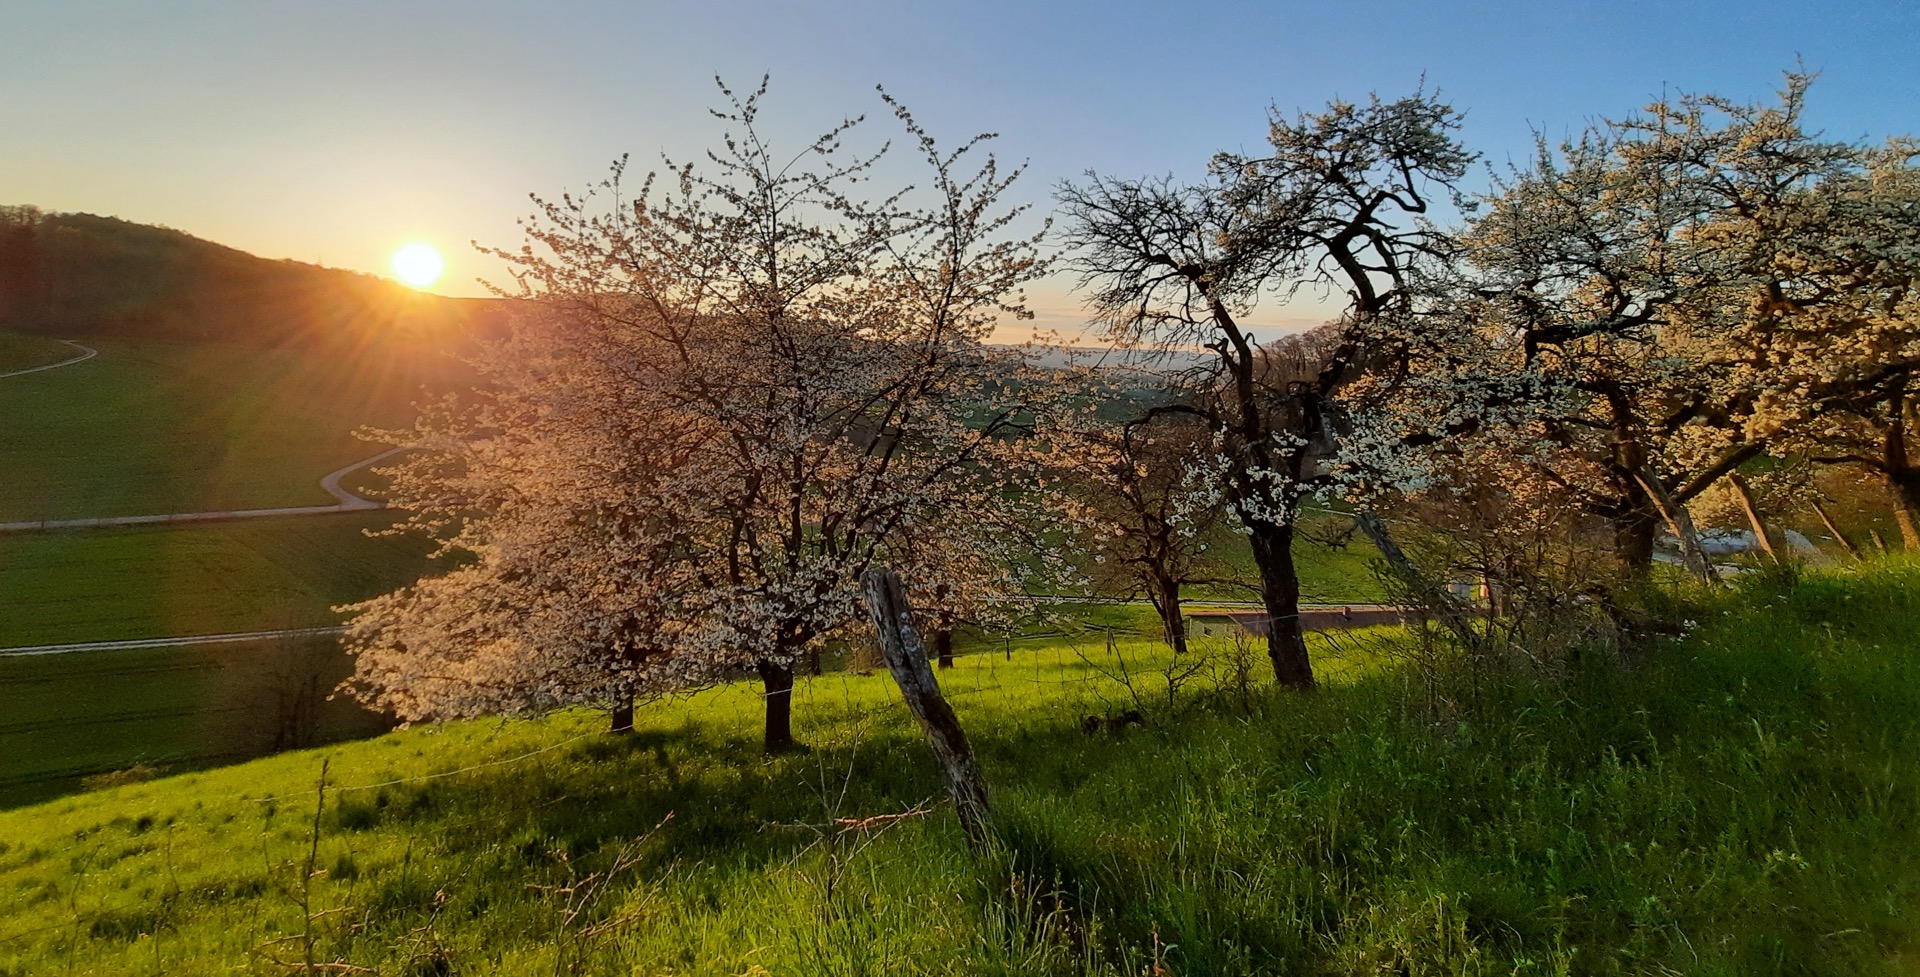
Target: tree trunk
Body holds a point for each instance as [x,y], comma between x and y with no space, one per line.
[1905,485]
[1902,477]
[1761,531]
[1633,535]
[1680,521]
[1280,593]
[778,683]
[1173,622]
[907,660]
[623,717]
[943,626]
[1846,542]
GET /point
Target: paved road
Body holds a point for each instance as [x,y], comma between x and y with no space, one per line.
[349,502]
[86,353]
[181,642]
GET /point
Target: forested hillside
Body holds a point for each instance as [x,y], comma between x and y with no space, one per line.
[82,275]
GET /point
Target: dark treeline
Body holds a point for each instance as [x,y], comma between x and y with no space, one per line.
[81,275]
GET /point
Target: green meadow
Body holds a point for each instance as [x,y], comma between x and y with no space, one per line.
[190,707]
[19,351]
[1740,801]
[121,582]
[66,716]
[69,717]
[156,427]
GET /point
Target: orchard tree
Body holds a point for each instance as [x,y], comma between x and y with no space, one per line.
[814,350]
[1834,331]
[1636,284]
[1136,489]
[1341,203]
[557,490]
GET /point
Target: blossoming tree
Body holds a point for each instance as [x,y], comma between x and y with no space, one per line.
[1339,203]
[811,348]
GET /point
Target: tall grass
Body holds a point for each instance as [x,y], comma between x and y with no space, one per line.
[1744,802]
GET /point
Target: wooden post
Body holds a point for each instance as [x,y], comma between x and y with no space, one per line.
[907,660]
[1761,531]
[1846,543]
[1681,522]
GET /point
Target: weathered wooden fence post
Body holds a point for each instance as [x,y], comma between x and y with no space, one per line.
[907,660]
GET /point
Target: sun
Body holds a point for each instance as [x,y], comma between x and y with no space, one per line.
[418,264]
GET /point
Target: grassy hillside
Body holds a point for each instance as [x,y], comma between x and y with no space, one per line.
[1746,802]
[19,351]
[155,427]
[70,716]
[62,717]
[202,578]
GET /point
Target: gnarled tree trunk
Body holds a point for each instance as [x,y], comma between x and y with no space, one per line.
[1280,593]
[1633,536]
[777,683]
[1905,486]
[1173,622]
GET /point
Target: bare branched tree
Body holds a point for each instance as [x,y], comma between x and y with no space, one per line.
[1339,204]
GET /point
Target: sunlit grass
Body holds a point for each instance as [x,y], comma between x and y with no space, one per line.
[1744,803]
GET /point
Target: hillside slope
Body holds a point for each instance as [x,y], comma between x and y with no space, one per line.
[157,426]
[75,275]
[1745,803]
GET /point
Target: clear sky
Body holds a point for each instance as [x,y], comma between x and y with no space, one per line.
[337,131]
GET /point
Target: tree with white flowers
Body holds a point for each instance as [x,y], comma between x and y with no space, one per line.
[1673,295]
[812,351]
[558,490]
[1339,203]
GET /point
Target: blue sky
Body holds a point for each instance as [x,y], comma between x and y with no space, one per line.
[337,131]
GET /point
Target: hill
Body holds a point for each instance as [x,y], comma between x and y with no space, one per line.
[159,425]
[76,275]
[1742,802]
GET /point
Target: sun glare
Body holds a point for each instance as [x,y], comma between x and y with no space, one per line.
[418,264]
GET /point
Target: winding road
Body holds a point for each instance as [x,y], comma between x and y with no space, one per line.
[330,483]
[349,502]
[188,641]
[86,353]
